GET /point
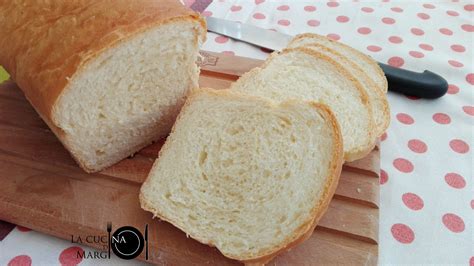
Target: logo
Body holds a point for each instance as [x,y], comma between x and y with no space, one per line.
[126,242]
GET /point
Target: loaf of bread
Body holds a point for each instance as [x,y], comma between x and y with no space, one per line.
[249,176]
[108,77]
[307,74]
[377,98]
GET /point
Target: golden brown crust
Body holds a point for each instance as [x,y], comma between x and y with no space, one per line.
[46,43]
[386,114]
[320,207]
[365,57]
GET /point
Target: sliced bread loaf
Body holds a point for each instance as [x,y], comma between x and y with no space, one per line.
[246,175]
[363,61]
[306,74]
[377,98]
[108,77]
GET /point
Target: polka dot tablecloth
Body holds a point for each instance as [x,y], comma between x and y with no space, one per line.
[426,189]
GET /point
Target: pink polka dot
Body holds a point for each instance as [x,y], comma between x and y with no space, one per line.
[417,31]
[396,9]
[68,256]
[342,19]
[206,13]
[453,222]
[364,30]
[235,8]
[383,177]
[21,260]
[283,8]
[333,36]
[452,13]
[405,119]
[441,118]
[388,21]
[313,23]
[259,16]
[459,146]
[284,22]
[384,136]
[417,146]
[455,63]
[446,31]
[395,39]
[333,4]
[458,48]
[471,261]
[228,52]
[429,6]
[416,54]
[467,27]
[472,204]
[452,89]
[455,180]
[374,48]
[426,47]
[423,16]
[396,61]
[468,110]
[403,233]
[469,7]
[413,201]
[309,8]
[403,165]
[470,78]
[258,2]
[23,229]
[221,39]
[367,9]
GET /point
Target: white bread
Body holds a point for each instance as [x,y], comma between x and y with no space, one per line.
[305,74]
[246,175]
[363,61]
[377,99]
[108,77]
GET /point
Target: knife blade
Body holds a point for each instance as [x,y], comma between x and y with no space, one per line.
[423,85]
[272,40]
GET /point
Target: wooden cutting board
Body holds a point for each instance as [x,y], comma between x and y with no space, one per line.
[42,188]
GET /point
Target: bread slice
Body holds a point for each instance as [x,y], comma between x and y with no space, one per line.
[108,77]
[363,61]
[377,99]
[246,175]
[305,74]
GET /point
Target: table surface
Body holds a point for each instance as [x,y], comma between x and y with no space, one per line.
[426,186]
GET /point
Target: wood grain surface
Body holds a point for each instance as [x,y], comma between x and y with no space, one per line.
[42,188]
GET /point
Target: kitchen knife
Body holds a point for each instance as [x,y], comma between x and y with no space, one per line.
[424,85]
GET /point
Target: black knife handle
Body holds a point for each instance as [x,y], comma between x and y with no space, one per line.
[424,85]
